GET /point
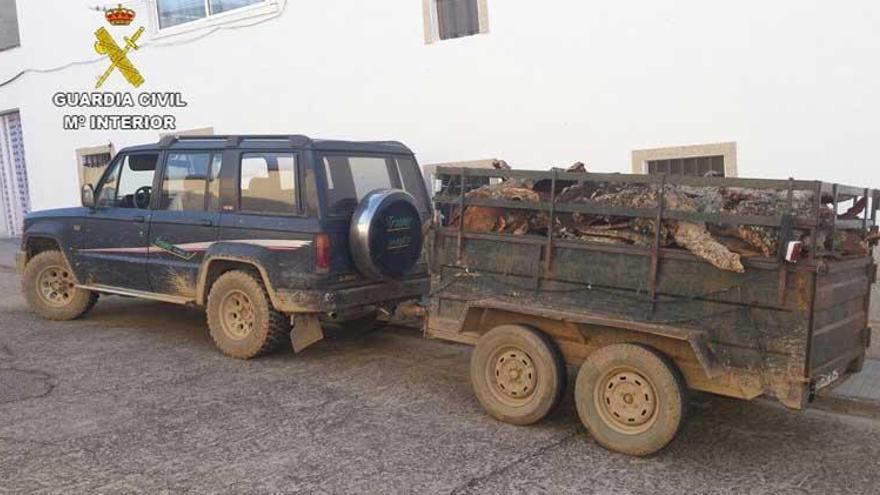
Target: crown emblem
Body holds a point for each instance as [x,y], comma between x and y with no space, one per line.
[120,16]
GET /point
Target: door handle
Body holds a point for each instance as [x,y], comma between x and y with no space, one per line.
[139,219]
[206,222]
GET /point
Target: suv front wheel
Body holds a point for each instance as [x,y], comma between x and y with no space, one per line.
[241,318]
[50,288]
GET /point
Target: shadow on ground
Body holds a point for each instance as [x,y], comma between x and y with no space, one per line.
[135,398]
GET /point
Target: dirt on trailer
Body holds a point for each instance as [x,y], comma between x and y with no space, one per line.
[721,245]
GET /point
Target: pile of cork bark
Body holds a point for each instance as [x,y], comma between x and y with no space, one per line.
[723,246]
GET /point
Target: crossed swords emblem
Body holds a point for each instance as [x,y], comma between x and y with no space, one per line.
[106,45]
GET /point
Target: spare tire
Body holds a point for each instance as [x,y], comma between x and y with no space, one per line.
[385,235]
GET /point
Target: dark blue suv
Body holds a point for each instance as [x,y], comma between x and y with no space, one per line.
[274,236]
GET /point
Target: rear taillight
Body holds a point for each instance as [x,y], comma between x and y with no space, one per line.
[322,252]
[793,251]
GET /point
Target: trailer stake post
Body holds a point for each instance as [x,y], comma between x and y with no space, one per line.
[655,248]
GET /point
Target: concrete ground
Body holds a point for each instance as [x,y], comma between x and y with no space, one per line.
[134,398]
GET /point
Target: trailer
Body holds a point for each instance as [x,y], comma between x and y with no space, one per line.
[644,324]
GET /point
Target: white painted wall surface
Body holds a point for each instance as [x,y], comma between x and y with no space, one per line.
[794,82]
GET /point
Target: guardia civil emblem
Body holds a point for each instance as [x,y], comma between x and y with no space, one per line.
[118,56]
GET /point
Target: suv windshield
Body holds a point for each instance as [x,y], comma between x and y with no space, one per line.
[350,177]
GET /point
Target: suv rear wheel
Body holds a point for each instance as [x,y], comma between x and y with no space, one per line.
[50,288]
[241,318]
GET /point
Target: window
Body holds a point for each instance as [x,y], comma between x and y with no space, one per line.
[713,159]
[92,161]
[9,37]
[413,182]
[268,182]
[350,178]
[448,19]
[96,160]
[92,166]
[107,189]
[699,166]
[457,18]
[174,12]
[369,174]
[218,6]
[129,183]
[185,181]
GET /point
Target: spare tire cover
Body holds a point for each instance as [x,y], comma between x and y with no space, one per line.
[386,234]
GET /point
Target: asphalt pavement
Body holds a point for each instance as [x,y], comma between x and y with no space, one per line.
[134,398]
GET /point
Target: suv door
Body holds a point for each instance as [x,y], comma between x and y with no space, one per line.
[114,248]
[185,220]
[263,205]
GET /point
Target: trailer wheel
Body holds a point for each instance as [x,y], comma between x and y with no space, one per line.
[517,373]
[631,398]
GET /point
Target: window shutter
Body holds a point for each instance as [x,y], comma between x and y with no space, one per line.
[694,166]
[457,18]
[9,37]
[96,160]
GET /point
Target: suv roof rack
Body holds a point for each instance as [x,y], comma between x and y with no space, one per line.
[397,144]
[294,140]
[234,140]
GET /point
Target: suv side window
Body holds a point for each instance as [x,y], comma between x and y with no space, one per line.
[268,182]
[185,182]
[129,184]
[413,182]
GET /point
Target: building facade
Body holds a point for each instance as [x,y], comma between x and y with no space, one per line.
[537,85]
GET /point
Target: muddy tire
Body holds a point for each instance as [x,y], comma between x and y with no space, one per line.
[631,398]
[241,318]
[517,373]
[49,287]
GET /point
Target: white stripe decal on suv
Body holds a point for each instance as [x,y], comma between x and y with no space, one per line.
[271,244]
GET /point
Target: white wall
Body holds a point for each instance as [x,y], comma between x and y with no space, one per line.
[794,82]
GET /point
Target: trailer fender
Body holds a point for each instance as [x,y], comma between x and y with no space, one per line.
[476,310]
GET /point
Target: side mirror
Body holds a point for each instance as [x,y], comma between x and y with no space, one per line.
[87,196]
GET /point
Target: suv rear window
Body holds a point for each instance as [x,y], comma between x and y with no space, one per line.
[350,177]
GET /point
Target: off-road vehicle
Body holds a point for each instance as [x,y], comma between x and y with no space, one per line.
[268,233]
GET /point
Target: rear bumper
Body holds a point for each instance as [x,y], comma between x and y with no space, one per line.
[323,301]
